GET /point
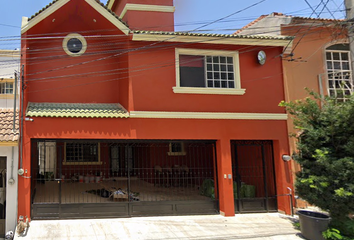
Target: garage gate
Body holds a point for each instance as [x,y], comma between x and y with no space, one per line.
[99,179]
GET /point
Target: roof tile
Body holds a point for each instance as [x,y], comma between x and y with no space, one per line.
[277,14]
[6,125]
[214,35]
[77,110]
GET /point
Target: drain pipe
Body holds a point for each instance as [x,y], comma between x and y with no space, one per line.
[320,85]
[291,200]
[11,180]
[15,93]
[290,194]
[21,118]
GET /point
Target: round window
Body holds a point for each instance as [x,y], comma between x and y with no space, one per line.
[74,44]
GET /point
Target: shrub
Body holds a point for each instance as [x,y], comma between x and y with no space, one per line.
[325,134]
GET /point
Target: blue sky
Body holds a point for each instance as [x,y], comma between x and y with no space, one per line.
[189,15]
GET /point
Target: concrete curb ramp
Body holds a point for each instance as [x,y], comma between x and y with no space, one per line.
[272,226]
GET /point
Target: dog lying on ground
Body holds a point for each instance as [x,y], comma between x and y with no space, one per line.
[22,225]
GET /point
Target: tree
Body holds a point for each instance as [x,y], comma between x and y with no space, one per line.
[325,144]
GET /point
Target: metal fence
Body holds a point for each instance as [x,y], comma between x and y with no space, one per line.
[76,171]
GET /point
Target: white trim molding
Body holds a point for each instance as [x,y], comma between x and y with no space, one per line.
[211,40]
[110,4]
[222,91]
[26,25]
[108,16]
[209,115]
[145,7]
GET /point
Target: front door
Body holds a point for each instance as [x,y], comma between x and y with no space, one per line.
[253,170]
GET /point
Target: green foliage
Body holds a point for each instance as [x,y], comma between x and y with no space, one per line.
[325,133]
[296,225]
[346,226]
[332,234]
[207,188]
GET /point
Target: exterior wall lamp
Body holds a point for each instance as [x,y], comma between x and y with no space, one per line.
[286,158]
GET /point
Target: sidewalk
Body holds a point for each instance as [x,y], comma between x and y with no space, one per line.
[269,226]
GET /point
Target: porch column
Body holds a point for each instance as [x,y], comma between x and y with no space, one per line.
[224,165]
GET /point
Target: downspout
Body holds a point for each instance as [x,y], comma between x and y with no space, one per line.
[11,180]
[21,118]
[321,88]
[15,93]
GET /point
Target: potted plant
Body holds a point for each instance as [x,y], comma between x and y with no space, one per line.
[325,134]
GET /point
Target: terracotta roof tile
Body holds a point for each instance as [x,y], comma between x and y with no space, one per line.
[6,126]
[83,110]
[250,24]
[291,16]
[214,35]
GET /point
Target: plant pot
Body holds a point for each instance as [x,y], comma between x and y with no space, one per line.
[312,224]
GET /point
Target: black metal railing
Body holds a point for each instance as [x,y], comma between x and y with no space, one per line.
[76,171]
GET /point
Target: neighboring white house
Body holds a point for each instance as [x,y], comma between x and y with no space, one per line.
[9,136]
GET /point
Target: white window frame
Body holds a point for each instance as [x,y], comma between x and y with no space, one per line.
[172,153]
[344,75]
[207,90]
[83,162]
[7,95]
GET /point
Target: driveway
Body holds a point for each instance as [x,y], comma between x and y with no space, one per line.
[270,226]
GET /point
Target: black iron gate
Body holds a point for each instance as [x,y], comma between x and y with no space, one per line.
[253,171]
[76,179]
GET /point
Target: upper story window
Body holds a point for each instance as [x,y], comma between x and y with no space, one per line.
[207,72]
[340,83]
[7,88]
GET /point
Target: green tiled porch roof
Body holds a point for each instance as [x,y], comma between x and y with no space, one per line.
[76,110]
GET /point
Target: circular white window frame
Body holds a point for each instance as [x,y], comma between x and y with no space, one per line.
[71,36]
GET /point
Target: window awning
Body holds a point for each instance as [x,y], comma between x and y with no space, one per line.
[76,110]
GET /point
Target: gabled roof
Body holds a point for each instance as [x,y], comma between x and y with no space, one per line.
[56,4]
[291,17]
[7,135]
[76,110]
[250,24]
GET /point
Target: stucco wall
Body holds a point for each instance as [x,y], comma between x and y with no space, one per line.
[11,153]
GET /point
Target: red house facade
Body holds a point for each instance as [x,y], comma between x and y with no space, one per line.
[125,117]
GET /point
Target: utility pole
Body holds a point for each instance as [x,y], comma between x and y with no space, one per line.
[349,10]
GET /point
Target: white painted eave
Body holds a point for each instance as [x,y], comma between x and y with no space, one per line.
[211,40]
[145,7]
[26,25]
